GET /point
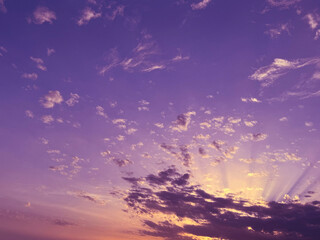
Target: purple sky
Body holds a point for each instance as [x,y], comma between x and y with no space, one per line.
[163,119]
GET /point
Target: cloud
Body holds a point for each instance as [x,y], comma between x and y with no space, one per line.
[276,31]
[282,3]
[152,68]
[51,99]
[74,99]
[2,6]
[254,137]
[313,20]
[181,153]
[250,123]
[200,5]
[62,223]
[279,156]
[42,15]
[95,198]
[317,36]
[100,112]
[47,119]
[252,100]
[87,15]
[3,50]
[145,57]
[182,122]
[201,214]
[32,76]
[29,114]
[144,105]
[283,119]
[308,124]
[121,162]
[113,59]
[118,11]
[50,51]
[268,74]
[180,58]
[40,63]
[44,141]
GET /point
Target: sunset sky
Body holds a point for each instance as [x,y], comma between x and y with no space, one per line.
[159,119]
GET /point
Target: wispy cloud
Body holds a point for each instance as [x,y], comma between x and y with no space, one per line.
[200,5]
[42,15]
[87,15]
[117,11]
[152,68]
[283,3]
[268,74]
[276,31]
[95,198]
[2,6]
[145,57]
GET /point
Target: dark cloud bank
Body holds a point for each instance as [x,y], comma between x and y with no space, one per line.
[170,192]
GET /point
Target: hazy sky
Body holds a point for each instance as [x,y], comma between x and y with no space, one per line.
[159,119]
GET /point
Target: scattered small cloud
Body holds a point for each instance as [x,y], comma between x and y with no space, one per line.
[144,105]
[308,124]
[250,123]
[44,141]
[42,15]
[47,119]
[182,122]
[252,100]
[50,51]
[74,99]
[313,20]
[87,15]
[254,137]
[51,99]
[32,76]
[40,63]
[121,162]
[100,112]
[29,114]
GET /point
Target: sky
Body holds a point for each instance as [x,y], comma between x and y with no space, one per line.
[168,120]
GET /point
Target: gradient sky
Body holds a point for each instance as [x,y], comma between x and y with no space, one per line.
[162,119]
